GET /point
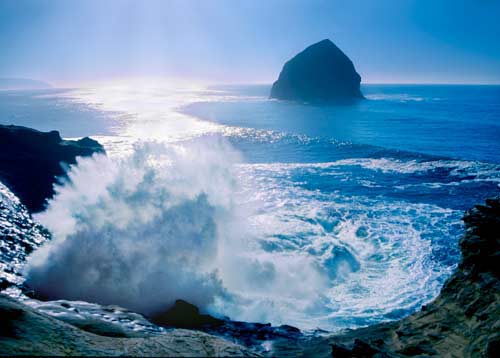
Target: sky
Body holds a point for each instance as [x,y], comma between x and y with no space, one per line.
[240,41]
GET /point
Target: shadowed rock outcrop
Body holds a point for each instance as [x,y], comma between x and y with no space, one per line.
[464,321]
[322,72]
[30,161]
[184,315]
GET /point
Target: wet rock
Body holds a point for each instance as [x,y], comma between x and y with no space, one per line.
[19,236]
[25,331]
[254,335]
[111,321]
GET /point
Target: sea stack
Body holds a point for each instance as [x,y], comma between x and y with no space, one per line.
[322,72]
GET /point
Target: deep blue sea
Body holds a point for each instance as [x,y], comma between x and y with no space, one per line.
[318,216]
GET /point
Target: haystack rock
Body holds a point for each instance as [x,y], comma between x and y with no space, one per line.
[322,72]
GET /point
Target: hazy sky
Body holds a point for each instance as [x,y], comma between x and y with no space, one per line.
[247,41]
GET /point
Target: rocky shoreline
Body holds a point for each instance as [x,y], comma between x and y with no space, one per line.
[463,321]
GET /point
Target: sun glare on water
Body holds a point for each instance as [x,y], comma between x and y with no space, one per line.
[147,110]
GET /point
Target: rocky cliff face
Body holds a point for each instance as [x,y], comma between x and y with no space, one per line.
[30,161]
[322,72]
[464,321]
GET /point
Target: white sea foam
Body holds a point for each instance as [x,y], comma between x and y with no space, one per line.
[374,255]
[162,224]
[400,97]
[458,168]
[140,231]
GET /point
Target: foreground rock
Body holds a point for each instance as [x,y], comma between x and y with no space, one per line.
[464,321]
[25,331]
[30,161]
[322,72]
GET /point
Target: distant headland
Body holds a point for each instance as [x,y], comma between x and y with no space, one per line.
[22,84]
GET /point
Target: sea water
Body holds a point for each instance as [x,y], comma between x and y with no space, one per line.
[314,215]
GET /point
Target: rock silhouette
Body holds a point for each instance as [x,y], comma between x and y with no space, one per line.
[30,161]
[322,72]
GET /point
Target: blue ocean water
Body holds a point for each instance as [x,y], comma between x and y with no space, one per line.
[347,215]
[450,121]
[413,137]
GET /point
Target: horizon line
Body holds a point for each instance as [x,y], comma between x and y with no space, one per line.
[84,83]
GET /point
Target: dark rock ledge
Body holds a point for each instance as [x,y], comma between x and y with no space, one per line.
[31,161]
[464,321]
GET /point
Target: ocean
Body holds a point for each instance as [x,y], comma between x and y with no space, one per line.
[317,216]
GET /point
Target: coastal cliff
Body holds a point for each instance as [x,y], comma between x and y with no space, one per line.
[464,321]
[322,72]
[31,161]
